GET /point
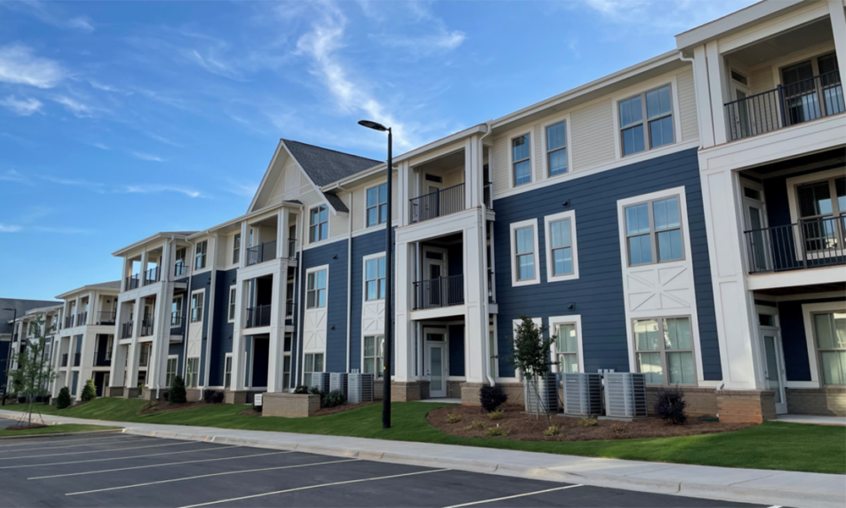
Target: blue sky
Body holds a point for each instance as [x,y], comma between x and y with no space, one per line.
[121,119]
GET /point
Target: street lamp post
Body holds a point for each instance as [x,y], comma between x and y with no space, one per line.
[9,357]
[389,280]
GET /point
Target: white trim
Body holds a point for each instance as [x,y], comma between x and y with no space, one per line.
[567,133]
[513,227]
[576,319]
[191,309]
[807,310]
[549,219]
[364,260]
[310,271]
[511,175]
[796,181]
[231,370]
[364,206]
[230,302]
[640,90]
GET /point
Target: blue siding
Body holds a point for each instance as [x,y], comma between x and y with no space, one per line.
[598,293]
[222,330]
[456,350]
[362,246]
[201,281]
[793,339]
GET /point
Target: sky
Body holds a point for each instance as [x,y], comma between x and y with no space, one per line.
[122,119]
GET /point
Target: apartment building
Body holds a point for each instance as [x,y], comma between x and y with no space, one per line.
[32,318]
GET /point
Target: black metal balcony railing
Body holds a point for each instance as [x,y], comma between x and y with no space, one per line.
[289,313]
[126,330]
[491,281]
[81,318]
[440,292]
[179,268]
[64,360]
[76,357]
[146,327]
[261,253]
[176,320]
[786,105]
[133,281]
[152,276]
[258,316]
[69,322]
[809,244]
[106,317]
[292,247]
[143,357]
[437,204]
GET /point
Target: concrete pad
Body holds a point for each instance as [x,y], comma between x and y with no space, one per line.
[813,419]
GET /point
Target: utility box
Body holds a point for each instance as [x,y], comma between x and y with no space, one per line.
[582,393]
[360,387]
[625,395]
[338,381]
[544,398]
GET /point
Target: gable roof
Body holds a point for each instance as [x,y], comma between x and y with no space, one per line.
[325,166]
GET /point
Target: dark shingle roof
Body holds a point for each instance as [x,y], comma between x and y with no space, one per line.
[336,202]
[22,306]
[325,166]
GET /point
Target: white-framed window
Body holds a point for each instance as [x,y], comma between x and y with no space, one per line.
[233,300]
[567,347]
[374,279]
[236,249]
[374,355]
[286,362]
[227,371]
[377,205]
[524,253]
[521,159]
[172,368]
[830,341]
[653,231]
[200,255]
[197,302]
[646,121]
[316,288]
[562,261]
[318,221]
[664,350]
[556,148]
[313,363]
[822,213]
[193,369]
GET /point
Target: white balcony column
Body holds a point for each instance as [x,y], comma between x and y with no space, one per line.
[475,301]
[93,308]
[703,96]
[156,369]
[237,382]
[838,29]
[403,328]
[117,370]
[166,262]
[89,344]
[242,258]
[142,274]
[473,173]
[282,219]
[403,194]
[134,349]
[716,75]
[276,345]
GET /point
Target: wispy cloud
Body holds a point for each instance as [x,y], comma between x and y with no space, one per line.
[101,146]
[435,36]
[241,189]
[19,65]
[13,176]
[74,106]
[86,184]
[82,23]
[9,228]
[50,14]
[162,139]
[22,107]
[155,188]
[147,157]
[672,17]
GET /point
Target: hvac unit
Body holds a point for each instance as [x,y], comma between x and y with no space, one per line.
[338,381]
[360,388]
[582,393]
[625,395]
[318,379]
[544,399]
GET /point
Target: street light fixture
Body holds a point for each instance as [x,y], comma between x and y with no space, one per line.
[389,313]
[9,357]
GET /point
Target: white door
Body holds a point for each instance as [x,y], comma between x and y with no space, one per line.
[436,363]
[756,239]
[431,290]
[774,366]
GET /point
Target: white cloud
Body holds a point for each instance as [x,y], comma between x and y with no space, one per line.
[74,106]
[155,188]
[13,176]
[19,65]
[94,186]
[101,146]
[82,23]
[443,41]
[22,107]
[241,189]
[668,17]
[147,157]
[9,228]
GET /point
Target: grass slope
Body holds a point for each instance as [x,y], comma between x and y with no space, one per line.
[53,429]
[772,445]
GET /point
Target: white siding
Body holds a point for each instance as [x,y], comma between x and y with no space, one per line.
[339,225]
[592,132]
[500,169]
[359,206]
[687,106]
[761,80]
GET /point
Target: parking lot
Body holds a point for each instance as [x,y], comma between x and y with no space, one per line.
[115,469]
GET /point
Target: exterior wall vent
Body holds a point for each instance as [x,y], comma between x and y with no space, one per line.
[360,388]
[545,399]
[582,393]
[338,381]
[625,395]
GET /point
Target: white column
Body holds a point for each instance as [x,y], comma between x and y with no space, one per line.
[475,321]
[237,339]
[156,369]
[703,97]
[134,349]
[282,233]
[92,307]
[277,330]
[404,350]
[142,276]
[838,28]
[716,71]
[242,259]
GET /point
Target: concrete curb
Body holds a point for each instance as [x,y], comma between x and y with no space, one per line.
[60,434]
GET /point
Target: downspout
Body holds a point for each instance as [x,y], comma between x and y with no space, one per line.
[186,302]
[210,316]
[349,283]
[299,303]
[487,328]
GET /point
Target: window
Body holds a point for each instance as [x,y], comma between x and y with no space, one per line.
[316,289]
[524,248]
[556,148]
[654,225]
[830,336]
[193,380]
[656,106]
[521,159]
[561,262]
[664,350]
[819,214]
[567,347]
[374,355]
[197,306]
[176,311]
[236,249]
[286,363]
[313,363]
[318,224]
[227,371]
[172,362]
[374,276]
[233,299]
[200,255]
[377,205]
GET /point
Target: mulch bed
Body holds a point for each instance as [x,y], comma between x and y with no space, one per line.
[523,427]
[166,407]
[24,426]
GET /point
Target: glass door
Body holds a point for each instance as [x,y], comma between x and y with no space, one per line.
[436,362]
[755,218]
[774,367]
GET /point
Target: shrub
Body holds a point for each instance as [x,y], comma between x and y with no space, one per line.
[588,422]
[176,394]
[670,406]
[476,425]
[213,397]
[552,431]
[64,399]
[89,391]
[492,397]
[334,398]
[301,390]
[496,432]
[315,391]
[619,428]
[163,394]
[452,418]
[496,415]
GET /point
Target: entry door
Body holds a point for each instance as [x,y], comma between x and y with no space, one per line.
[774,366]
[757,240]
[434,269]
[436,364]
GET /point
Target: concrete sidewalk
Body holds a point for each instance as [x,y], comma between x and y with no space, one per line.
[728,484]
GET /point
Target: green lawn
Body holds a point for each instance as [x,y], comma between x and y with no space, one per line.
[54,429]
[772,445]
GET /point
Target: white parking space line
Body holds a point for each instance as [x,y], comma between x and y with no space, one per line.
[158,465]
[99,451]
[63,439]
[506,498]
[76,445]
[224,473]
[309,487]
[114,458]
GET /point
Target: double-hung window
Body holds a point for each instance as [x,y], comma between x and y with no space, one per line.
[233,299]
[654,226]
[227,371]
[197,300]
[236,249]
[664,350]
[286,362]
[374,276]
[556,148]
[200,255]
[646,120]
[318,224]
[823,219]
[172,362]
[830,336]
[377,205]
[524,248]
[374,354]
[521,159]
[567,347]
[561,255]
[193,372]
[313,363]
[316,289]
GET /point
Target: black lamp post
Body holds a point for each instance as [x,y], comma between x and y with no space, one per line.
[389,313]
[9,358]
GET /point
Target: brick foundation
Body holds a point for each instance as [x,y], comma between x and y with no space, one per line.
[470,394]
[828,401]
[745,406]
[514,391]
[700,401]
[405,391]
[236,397]
[115,391]
[289,405]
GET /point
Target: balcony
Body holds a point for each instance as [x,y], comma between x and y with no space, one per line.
[69,322]
[799,102]
[64,360]
[261,253]
[809,244]
[292,247]
[436,204]
[146,327]
[152,276]
[144,357]
[133,281]
[179,268]
[258,316]
[439,292]
[81,318]
[76,358]
[175,320]
[289,313]
[106,317]
[126,330]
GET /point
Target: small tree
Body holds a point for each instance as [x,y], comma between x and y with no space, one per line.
[531,354]
[89,391]
[64,399]
[34,373]
[176,394]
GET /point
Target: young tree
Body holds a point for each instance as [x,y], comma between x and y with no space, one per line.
[64,398]
[531,354]
[89,391]
[34,373]
[176,394]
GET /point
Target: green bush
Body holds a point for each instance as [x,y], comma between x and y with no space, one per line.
[496,415]
[89,391]
[176,395]
[452,418]
[552,431]
[64,399]
[588,422]
[334,398]
[301,390]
